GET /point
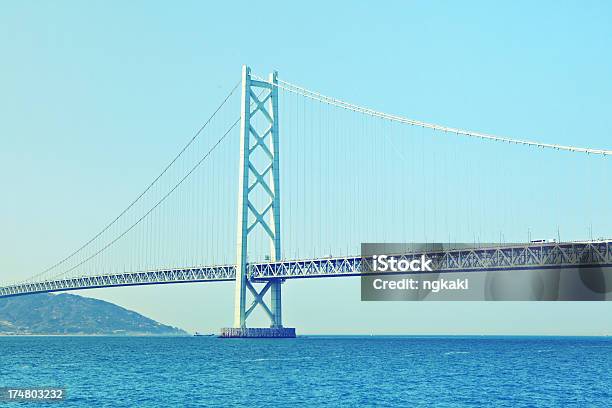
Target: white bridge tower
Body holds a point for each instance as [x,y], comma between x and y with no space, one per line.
[258,205]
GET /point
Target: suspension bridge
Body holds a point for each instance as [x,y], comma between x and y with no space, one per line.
[348,175]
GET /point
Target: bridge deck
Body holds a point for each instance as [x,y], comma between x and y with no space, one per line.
[507,257]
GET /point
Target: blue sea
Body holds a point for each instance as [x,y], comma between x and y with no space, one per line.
[314,371]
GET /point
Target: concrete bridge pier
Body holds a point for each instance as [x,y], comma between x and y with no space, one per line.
[276,329]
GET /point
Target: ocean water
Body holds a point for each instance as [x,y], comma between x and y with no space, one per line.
[314,371]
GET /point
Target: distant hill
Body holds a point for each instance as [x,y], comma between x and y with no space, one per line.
[71,314]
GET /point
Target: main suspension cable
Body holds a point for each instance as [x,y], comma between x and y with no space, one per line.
[157,204]
[159,176]
[356,108]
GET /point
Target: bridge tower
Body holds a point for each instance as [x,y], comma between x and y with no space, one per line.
[258,205]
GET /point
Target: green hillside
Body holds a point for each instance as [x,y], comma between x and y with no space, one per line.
[71,314]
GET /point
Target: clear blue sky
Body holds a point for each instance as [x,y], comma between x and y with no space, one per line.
[96,97]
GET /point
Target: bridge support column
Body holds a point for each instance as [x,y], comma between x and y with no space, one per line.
[275,300]
[258,183]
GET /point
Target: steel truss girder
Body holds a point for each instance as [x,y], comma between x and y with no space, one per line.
[513,257]
[162,276]
[502,258]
